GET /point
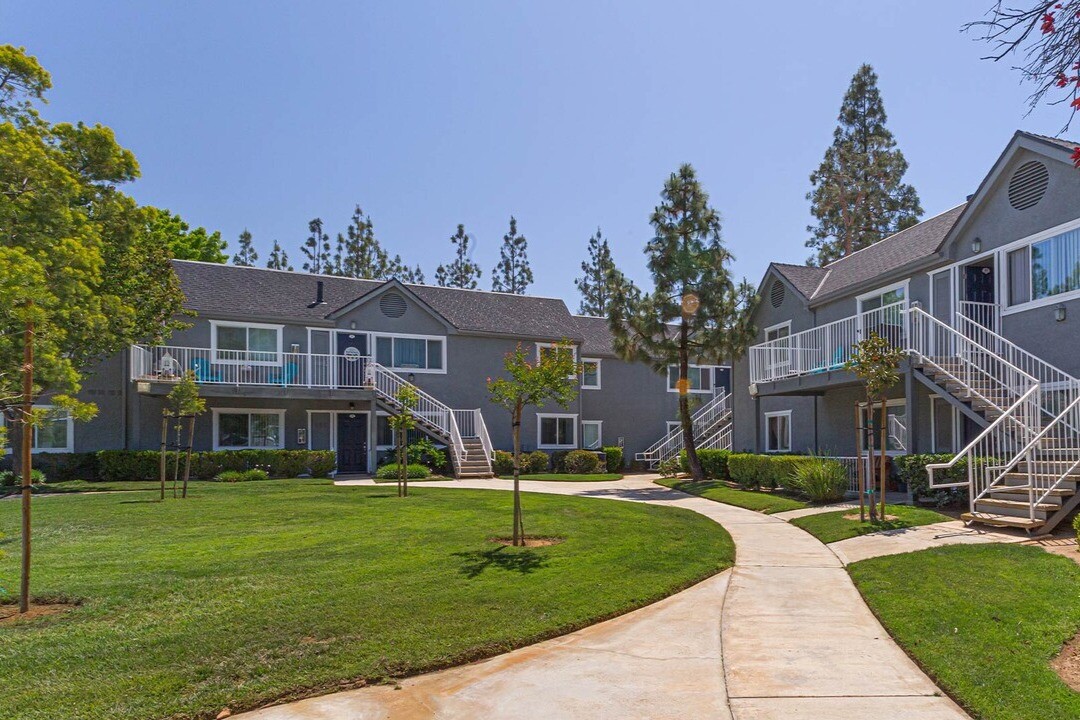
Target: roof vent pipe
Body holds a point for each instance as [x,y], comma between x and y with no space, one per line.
[318,294]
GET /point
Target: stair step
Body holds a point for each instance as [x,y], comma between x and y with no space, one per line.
[1014,508]
[1016,489]
[1002,520]
[475,476]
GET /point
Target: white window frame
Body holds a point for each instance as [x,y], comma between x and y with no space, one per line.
[373,338]
[215,324]
[584,362]
[34,449]
[692,366]
[1002,290]
[902,285]
[217,412]
[770,415]
[777,326]
[540,417]
[599,433]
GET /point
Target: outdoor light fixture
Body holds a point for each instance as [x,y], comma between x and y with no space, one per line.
[352,324]
[352,406]
[412,378]
[976,245]
[1059,313]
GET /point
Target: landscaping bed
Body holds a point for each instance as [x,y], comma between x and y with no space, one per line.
[764,501]
[248,593]
[833,526]
[567,477]
[985,621]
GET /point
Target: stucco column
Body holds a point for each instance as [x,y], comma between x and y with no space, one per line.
[911,407]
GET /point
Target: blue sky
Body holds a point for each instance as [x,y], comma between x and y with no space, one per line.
[568,115]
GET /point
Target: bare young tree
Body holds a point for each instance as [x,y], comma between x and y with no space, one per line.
[1044,40]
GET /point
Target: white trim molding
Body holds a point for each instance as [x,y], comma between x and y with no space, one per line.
[599,434]
[540,417]
[217,412]
[768,417]
[585,361]
[215,324]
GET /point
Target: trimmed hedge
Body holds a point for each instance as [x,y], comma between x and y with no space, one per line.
[613,459]
[713,462]
[232,476]
[912,472]
[120,465]
[59,467]
[531,463]
[758,471]
[581,462]
[415,471]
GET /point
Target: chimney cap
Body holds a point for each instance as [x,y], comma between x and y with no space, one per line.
[318,295]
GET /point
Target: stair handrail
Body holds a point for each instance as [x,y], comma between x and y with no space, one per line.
[898,431]
[704,416]
[485,439]
[386,384]
[1030,451]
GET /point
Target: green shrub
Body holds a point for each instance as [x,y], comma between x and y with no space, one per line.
[413,472]
[749,470]
[121,465]
[10,477]
[713,462]
[424,452]
[233,476]
[819,479]
[1076,527]
[558,461]
[669,468]
[613,459]
[535,462]
[504,463]
[912,472]
[581,462]
[60,466]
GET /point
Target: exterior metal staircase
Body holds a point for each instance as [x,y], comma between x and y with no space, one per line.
[463,431]
[1023,467]
[712,429]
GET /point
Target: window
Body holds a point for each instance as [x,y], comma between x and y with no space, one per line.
[416,353]
[1019,276]
[779,352]
[778,332]
[384,434]
[778,431]
[253,344]
[1055,265]
[592,436]
[699,378]
[238,429]
[881,298]
[590,373]
[55,432]
[896,434]
[556,431]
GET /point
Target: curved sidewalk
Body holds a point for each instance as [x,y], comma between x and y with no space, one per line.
[784,634]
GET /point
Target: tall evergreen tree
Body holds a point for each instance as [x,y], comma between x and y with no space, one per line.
[279,259]
[696,312]
[400,271]
[246,254]
[462,272]
[595,282]
[316,249]
[857,195]
[512,274]
[183,241]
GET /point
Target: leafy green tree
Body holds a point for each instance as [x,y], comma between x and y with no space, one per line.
[462,272]
[246,254]
[316,250]
[696,312]
[82,276]
[532,382]
[512,274]
[594,284]
[858,195]
[402,422]
[182,403]
[279,259]
[184,242]
[875,361]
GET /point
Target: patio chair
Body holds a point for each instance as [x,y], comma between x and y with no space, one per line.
[287,375]
[204,371]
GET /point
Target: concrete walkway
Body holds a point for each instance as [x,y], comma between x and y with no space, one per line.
[921,537]
[784,634]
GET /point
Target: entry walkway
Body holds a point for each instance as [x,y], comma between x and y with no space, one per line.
[784,634]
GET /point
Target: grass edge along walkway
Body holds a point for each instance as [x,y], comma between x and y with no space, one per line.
[764,502]
[832,527]
[983,621]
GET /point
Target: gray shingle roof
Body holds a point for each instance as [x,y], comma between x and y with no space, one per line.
[212,289]
[1069,145]
[596,336]
[804,278]
[907,246]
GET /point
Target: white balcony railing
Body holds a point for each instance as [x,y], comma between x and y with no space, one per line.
[826,347]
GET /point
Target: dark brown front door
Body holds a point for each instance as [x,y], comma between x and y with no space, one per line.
[352,357]
[352,439]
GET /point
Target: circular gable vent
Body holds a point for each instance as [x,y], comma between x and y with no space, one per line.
[776,294]
[1028,185]
[392,305]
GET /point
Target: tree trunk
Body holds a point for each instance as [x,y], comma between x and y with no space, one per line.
[398,455]
[870,456]
[27,436]
[689,441]
[187,463]
[859,470]
[164,447]
[884,446]
[519,528]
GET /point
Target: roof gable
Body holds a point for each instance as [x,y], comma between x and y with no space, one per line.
[378,292]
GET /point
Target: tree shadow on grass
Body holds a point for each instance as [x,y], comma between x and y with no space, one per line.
[519,560]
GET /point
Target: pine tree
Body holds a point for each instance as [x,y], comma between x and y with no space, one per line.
[316,249]
[279,259]
[697,313]
[246,255]
[364,256]
[462,272]
[595,283]
[400,271]
[512,274]
[858,195]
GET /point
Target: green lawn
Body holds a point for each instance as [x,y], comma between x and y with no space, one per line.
[830,527]
[765,502]
[567,477]
[70,486]
[984,621]
[248,592]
